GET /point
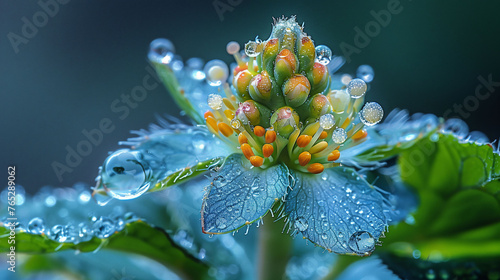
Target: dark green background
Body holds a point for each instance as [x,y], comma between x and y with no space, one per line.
[64,79]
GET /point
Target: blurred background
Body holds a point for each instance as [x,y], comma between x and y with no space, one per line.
[64,63]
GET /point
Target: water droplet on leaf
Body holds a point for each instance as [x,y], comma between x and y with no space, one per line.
[323,54]
[36,226]
[301,224]
[362,242]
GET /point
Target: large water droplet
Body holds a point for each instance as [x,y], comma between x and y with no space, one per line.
[216,72]
[195,66]
[301,224]
[362,242]
[161,51]
[36,226]
[371,114]
[478,137]
[85,233]
[125,175]
[252,49]
[456,127]
[356,88]
[323,54]
[339,135]
[327,121]
[103,227]
[365,72]
[214,101]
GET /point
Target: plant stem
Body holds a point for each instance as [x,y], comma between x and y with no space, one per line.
[340,265]
[274,250]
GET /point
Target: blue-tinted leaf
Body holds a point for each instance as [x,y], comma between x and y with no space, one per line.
[337,210]
[241,194]
[398,132]
[167,155]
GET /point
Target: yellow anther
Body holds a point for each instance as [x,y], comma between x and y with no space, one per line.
[225,129]
[267,150]
[303,140]
[304,158]
[323,135]
[360,135]
[212,122]
[311,129]
[316,168]
[228,104]
[229,114]
[346,123]
[256,161]
[247,151]
[318,147]
[333,156]
[247,223]
[292,139]
[242,139]
[270,136]
[208,114]
[259,131]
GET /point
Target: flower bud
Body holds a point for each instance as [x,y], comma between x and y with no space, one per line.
[260,87]
[285,66]
[251,112]
[319,77]
[241,82]
[284,121]
[339,99]
[319,105]
[288,39]
[271,49]
[296,90]
[306,54]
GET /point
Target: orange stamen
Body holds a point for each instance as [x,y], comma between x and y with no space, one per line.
[270,136]
[247,151]
[225,129]
[256,161]
[267,150]
[316,168]
[259,131]
[303,140]
[333,156]
[323,135]
[242,139]
[304,158]
[360,135]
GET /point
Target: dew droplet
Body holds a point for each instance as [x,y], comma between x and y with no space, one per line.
[199,142]
[356,88]
[36,226]
[301,224]
[327,121]
[103,227]
[362,242]
[478,137]
[215,101]
[59,233]
[324,236]
[161,51]
[339,135]
[252,49]
[125,174]
[371,114]
[345,79]
[84,197]
[456,127]
[323,54]
[50,201]
[216,72]
[232,47]
[365,72]
[85,233]
[195,66]
[221,223]
[236,124]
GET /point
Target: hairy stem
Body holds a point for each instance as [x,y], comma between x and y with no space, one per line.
[274,249]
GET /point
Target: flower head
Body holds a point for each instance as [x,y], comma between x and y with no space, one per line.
[275,136]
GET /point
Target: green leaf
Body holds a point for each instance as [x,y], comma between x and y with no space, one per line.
[137,237]
[459,212]
[168,78]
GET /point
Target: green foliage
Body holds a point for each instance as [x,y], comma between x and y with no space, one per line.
[137,237]
[459,211]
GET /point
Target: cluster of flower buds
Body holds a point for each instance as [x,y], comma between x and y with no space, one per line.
[281,105]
